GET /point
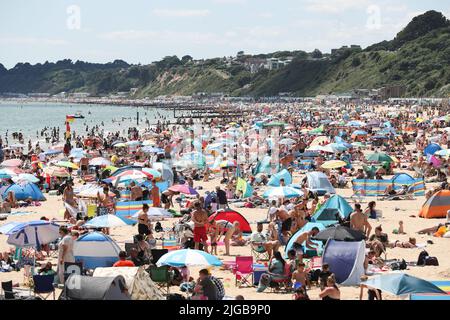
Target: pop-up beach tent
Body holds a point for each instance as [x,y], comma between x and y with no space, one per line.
[23,192]
[79,287]
[276,178]
[231,216]
[328,212]
[346,261]
[140,285]
[318,182]
[96,249]
[437,206]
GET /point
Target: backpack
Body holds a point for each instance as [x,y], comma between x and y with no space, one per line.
[422,258]
[431,261]
[399,265]
[158,227]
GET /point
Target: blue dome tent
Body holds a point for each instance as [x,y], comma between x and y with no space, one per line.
[276,178]
[96,250]
[336,205]
[34,191]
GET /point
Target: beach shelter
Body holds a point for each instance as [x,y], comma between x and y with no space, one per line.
[443,285]
[403,179]
[232,216]
[318,182]
[431,149]
[18,191]
[96,249]
[140,285]
[34,191]
[79,287]
[437,206]
[334,206]
[264,166]
[276,178]
[346,260]
[402,284]
[244,187]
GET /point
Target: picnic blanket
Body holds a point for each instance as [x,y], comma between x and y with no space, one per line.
[377,188]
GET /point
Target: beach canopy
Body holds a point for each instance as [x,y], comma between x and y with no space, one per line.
[106,221]
[95,288]
[33,233]
[24,192]
[188,258]
[431,149]
[276,178]
[436,206]
[231,216]
[340,233]
[334,206]
[282,192]
[318,182]
[346,261]
[96,249]
[402,284]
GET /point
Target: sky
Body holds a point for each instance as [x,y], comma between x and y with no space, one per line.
[143,31]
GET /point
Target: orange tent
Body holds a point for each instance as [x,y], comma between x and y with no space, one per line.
[437,206]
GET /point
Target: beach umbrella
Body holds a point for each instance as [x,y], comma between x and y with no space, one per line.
[99,162]
[319,141]
[340,233]
[77,153]
[150,149]
[356,124]
[120,145]
[133,143]
[52,152]
[358,145]
[4,229]
[283,192]
[155,213]
[6,174]
[66,164]
[33,233]
[12,163]
[334,148]
[188,258]
[133,174]
[443,153]
[56,172]
[378,157]
[25,177]
[153,172]
[359,133]
[183,188]
[334,164]
[402,284]
[287,141]
[106,221]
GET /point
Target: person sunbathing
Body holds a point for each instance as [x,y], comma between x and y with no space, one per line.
[410,244]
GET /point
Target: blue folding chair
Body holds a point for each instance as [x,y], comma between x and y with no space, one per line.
[43,286]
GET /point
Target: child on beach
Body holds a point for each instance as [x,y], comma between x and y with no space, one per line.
[300,277]
[323,276]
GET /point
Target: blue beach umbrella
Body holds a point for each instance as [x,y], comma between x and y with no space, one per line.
[106,221]
[189,258]
[402,284]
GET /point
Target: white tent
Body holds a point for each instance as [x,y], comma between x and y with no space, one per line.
[318,182]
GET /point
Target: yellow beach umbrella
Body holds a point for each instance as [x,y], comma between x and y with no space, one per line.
[319,140]
[67,164]
[334,164]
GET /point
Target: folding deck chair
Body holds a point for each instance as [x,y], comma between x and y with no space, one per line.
[244,271]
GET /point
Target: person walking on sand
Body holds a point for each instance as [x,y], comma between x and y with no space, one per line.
[200,219]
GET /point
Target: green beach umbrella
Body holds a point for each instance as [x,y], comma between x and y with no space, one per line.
[378,157]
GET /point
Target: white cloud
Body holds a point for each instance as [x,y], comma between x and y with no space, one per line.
[230,1]
[181,13]
[335,6]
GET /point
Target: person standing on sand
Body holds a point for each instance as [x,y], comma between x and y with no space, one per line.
[200,219]
[155,194]
[65,251]
[359,222]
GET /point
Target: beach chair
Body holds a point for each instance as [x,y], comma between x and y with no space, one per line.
[284,283]
[260,254]
[161,277]
[244,271]
[43,286]
[7,290]
[157,253]
[129,246]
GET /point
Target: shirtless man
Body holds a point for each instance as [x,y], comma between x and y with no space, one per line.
[305,237]
[200,219]
[286,221]
[358,221]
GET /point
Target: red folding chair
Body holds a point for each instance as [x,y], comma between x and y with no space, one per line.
[244,271]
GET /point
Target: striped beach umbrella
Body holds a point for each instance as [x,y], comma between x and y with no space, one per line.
[283,192]
[189,258]
[183,188]
[106,221]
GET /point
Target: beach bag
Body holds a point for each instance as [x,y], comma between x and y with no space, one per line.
[431,261]
[158,227]
[399,265]
[422,258]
